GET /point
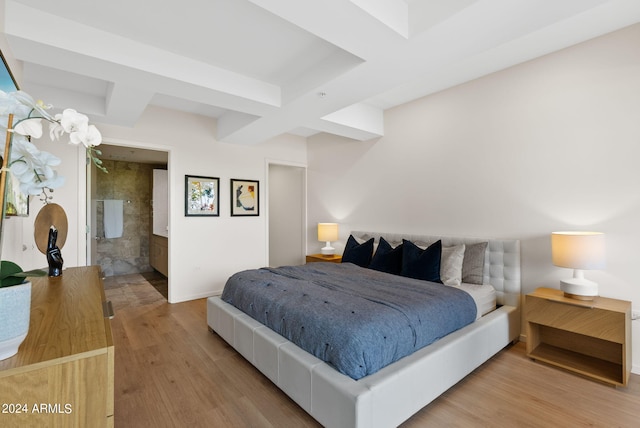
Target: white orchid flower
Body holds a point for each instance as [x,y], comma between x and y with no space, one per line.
[35,188]
[38,106]
[48,159]
[55,128]
[32,167]
[94,137]
[9,104]
[31,127]
[24,156]
[72,121]
[22,147]
[90,137]
[24,173]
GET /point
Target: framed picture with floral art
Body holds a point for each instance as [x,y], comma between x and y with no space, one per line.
[245,197]
[202,196]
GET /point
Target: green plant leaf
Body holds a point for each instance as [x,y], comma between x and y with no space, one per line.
[31,273]
[12,274]
[8,269]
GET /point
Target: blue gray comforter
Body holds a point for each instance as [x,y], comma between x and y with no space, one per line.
[357,320]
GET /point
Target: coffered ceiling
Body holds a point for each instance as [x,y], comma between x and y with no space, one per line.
[261,68]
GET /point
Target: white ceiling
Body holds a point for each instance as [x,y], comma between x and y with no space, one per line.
[262,68]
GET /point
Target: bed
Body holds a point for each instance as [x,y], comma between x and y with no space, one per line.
[391,395]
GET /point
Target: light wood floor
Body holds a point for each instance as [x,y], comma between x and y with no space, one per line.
[170,371]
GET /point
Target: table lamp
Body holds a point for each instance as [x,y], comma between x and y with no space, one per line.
[328,232]
[578,251]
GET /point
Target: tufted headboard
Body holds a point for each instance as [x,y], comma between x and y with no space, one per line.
[501,259]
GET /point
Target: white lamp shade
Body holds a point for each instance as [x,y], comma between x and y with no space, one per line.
[327,232]
[578,250]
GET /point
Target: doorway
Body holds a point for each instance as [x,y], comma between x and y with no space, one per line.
[287,214]
[129,185]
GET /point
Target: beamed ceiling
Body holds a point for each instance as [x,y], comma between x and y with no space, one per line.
[262,68]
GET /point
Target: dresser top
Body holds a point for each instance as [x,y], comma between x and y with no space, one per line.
[67,320]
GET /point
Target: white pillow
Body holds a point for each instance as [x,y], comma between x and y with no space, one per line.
[451,265]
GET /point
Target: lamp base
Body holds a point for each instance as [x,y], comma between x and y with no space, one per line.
[579,288]
[328,250]
[578,297]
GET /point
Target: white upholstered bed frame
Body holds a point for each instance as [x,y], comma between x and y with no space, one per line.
[395,393]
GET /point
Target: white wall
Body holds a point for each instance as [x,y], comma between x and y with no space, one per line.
[551,144]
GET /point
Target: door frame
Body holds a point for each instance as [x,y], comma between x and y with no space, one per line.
[87,199]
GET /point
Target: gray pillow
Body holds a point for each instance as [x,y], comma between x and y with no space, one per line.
[473,263]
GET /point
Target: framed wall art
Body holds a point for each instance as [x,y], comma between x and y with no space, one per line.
[16,202]
[202,196]
[7,82]
[245,197]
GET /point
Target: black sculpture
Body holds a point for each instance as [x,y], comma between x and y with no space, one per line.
[54,256]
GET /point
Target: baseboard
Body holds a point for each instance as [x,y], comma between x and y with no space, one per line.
[197,296]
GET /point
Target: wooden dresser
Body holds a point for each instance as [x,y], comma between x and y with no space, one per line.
[62,375]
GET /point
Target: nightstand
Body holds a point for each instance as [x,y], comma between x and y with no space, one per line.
[332,258]
[592,338]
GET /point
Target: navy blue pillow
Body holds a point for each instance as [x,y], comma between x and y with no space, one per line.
[421,264]
[359,254]
[387,259]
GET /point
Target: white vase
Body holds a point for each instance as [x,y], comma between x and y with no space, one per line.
[15,310]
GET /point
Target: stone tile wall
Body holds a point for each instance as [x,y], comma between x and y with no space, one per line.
[130,182]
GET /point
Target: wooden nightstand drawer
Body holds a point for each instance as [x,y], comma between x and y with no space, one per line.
[594,322]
